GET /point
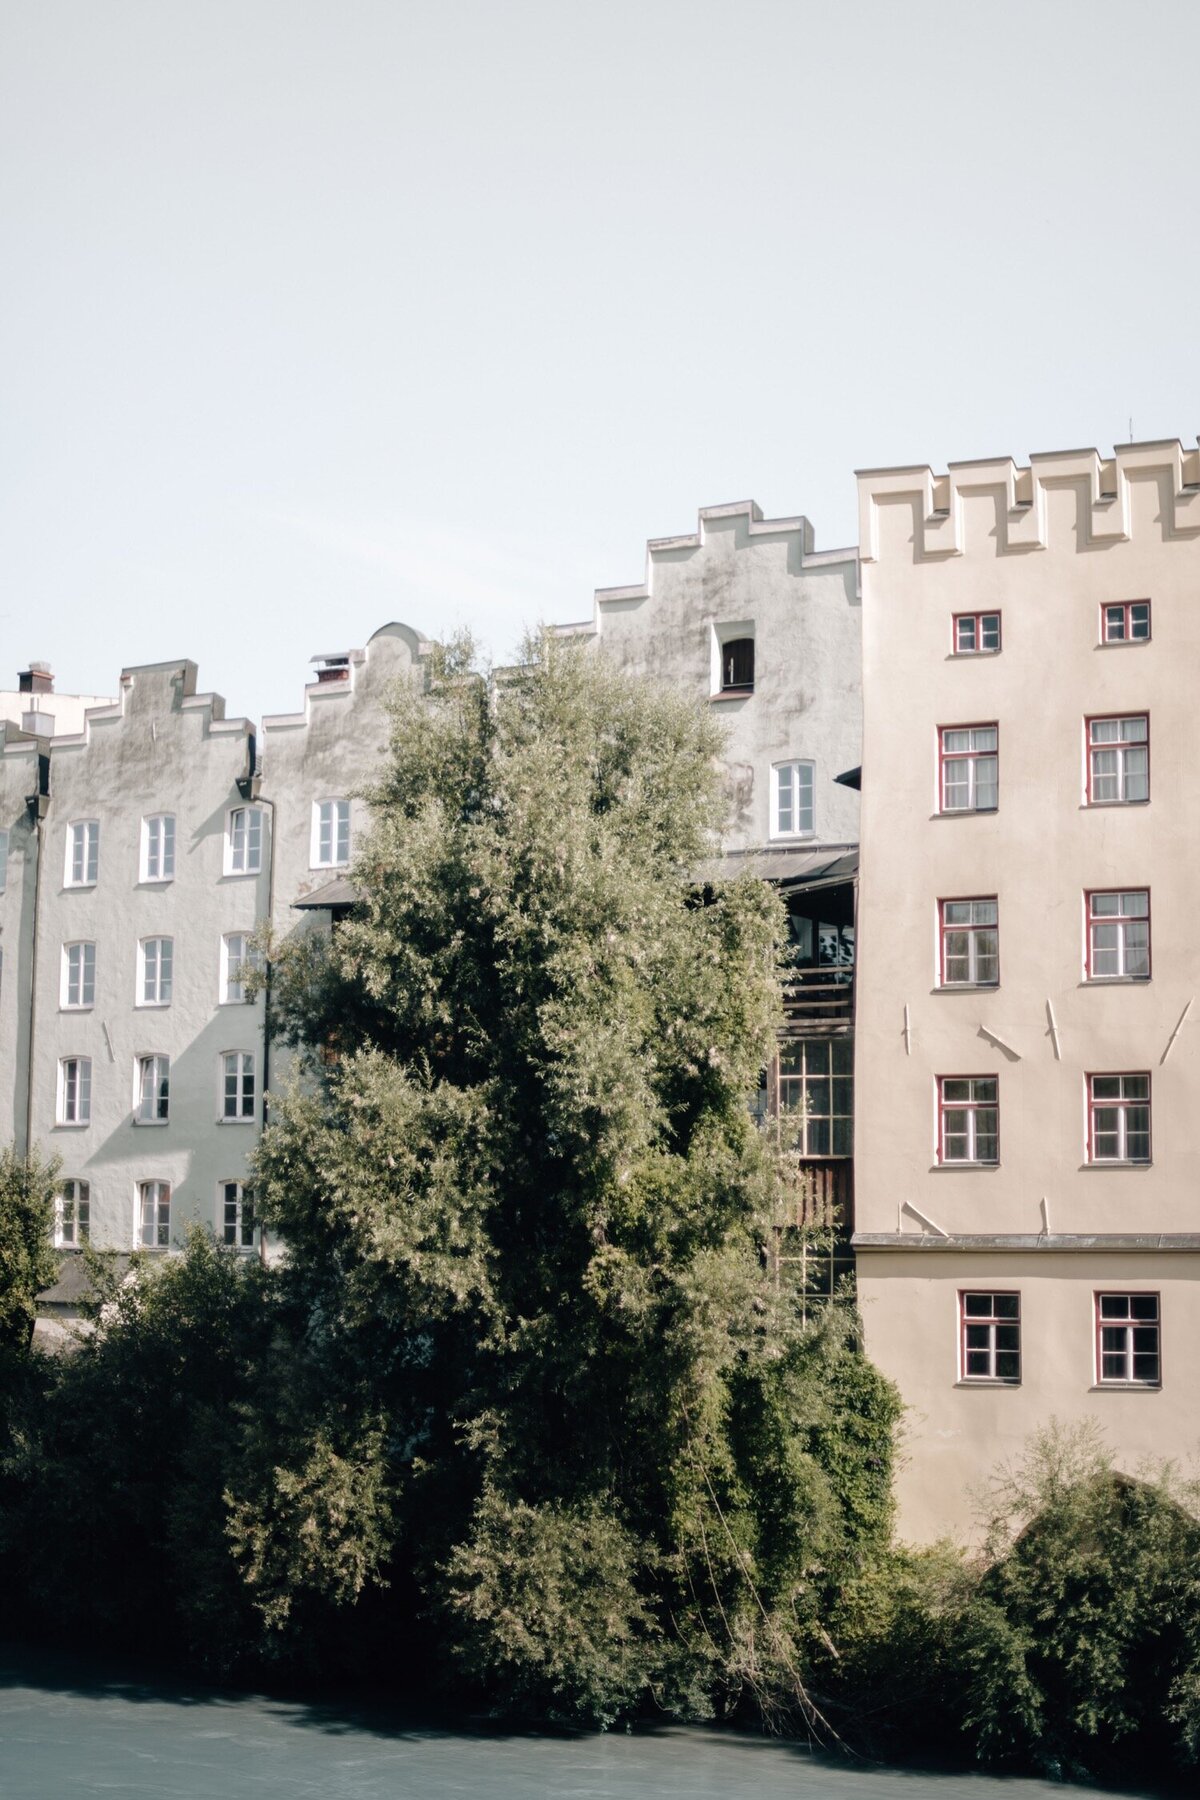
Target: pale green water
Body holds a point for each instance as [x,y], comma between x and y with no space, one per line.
[69,1739]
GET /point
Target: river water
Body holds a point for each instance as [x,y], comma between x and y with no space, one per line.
[66,1735]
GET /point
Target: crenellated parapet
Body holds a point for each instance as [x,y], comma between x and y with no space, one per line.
[1000,508]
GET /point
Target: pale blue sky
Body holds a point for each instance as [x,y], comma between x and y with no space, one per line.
[316,313]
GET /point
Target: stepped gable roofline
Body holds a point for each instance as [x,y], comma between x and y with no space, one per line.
[339,672]
[154,689]
[1101,484]
[756,526]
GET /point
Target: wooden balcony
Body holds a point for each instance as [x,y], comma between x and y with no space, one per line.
[819,996]
[822,1197]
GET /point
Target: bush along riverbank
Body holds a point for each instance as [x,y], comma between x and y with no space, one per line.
[527,1412]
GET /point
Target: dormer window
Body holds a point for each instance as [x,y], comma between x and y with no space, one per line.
[737,665]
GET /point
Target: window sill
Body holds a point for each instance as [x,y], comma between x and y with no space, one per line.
[1103,981]
[65,1008]
[327,868]
[950,1168]
[250,1119]
[155,880]
[966,987]
[240,874]
[971,655]
[965,812]
[1111,805]
[744,693]
[1104,1163]
[151,1005]
[1123,643]
[150,1124]
[987,1381]
[71,1124]
[1125,1387]
[78,887]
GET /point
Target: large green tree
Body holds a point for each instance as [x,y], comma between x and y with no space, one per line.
[27,1261]
[539,1378]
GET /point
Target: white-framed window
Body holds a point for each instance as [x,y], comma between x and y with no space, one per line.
[1128,1340]
[990,1337]
[152,1089]
[816,1093]
[83,853]
[1118,1118]
[970,768]
[3,860]
[792,799]
[330,834]
[1125,622]
[235,1215]
[968,1119]
[976,634]
[239,955]
[156,965]
[153,1230]
[72,1214]
[237,1084]
[158,847]
[243,840]
[1118,766]
[78,988]
[970,938]
[1118,935]
[75,1090]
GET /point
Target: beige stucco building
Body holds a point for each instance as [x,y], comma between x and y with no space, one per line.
[1028,1053]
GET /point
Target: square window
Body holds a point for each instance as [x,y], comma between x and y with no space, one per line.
[1118,935]
[1125,622]
[1118,1118]
[976,634]
[969,768]
[968,1119]
[970,942]
[1118,765]
[990,1337]
[1128,1347]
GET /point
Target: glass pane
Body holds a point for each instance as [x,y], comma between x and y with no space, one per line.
[1114,1306]
[1135,730]
[1104,731]
[841,1056]
[1137,774]
[957,912]
[1139,617]
[977,1306]
[984,738]
[1106,906]
[958,956]
[1114,623]
[1143,1306]
[843,1137]
[1136,1087]
[990,631]
[1137,948]
[987,783]
[1145,1365]
[1008,1365]
[1008,1306]
[986,1138]
[1106,1087]
[953,1089]
[979,1337]
[843,1096]
[987,957]
[955,741]
[966,633]
[1106,950]
[978,1362]
[816,1133]
[984,1087]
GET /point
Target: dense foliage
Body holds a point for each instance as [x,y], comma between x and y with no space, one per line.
[27,1261]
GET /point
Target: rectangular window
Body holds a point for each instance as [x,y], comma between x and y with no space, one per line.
[1118,760]
[78,975]
[970,937]
[83,853]
[72,1214]
[970,768]
[158,847]
[976,634]
[75,1090]
[243,847]
[154,1215]
[238,957]
[1118,1118]
[1128,1348]
[816,1093]
[1125,622]
[3,860]
[153,1090]
[968,1119]
[737,664]
[331,834]
[792,799]
[156,957]
[1118,935]
[237,1085]
[236,1216]
[990,1348]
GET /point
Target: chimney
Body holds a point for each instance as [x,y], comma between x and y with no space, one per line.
[36,679]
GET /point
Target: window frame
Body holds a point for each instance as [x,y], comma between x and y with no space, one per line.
[1090,920]
[245,1232]
[1134,744]
[158,999]
[314,849]
[977,618]
[161,1225]
[1129,1325]
[1126,609]
[971,930]
[249,960]
[991,1320]
[244,811]
[799,1115]
[91,853]
[973,758]
[79,1231]
[65,1003]
[157,1064]
[794,764]
[166,842]
[83,1093]
[237,1117]
[1122,1106]
[972,1108]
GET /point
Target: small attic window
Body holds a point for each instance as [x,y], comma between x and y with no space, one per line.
[737,664]
[332,668]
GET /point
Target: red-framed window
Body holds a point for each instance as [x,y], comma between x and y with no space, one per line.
[1128,1340]
[1125,622]
[968,1119]
[968,768]
[1118,934]
[1118,760]
[969,932]
[1118,1118]
[989,1337]
[976,634]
